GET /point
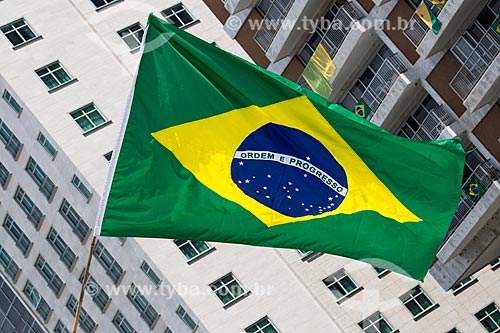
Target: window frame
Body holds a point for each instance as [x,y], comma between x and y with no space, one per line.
[175,13]
[128,32]
[85,321]
[220,285]
[12,143]
[40,177]
[146,311]
[107,3]
[50,72]
[338,277]
[55,283]
[47,145]
[36,300]
[409,298]
[66,254]
[85,115]
[118,320]
[180,244]
[81,187]
[186,318]
[12,102]
[75,221]
[25,23]
[4,176]
[150,273]
[113,269]
[256,328]
[373,323]
[10,267]
[98,294]
[18,235]
[488,316]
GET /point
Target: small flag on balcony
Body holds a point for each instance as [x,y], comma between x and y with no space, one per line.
[318,72]
[496,25]
[475,189]
[427,16]
[439,3]
[362,109]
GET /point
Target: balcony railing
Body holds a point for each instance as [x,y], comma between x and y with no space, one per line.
[430,127]
[476,63]
[486,174]
[416,29]
[379,86]
[334,35]
[274,17]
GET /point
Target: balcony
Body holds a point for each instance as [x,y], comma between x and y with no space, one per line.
[416,29]
[275,12]
[476,61]
[486,174]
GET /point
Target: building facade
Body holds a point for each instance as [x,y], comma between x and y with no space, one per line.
[66,68]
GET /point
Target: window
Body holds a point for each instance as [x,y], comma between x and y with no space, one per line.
[11,101]
[98,294]
[85,322]
[168,330]
[227,289]
[147,312]
[88,117]
[340,284]
[192,249]
[426,122]
[465,283]
[186,318]
[53,280]
[37,301]
[46,144]
[66,255]
[274,13]
[8,264]
[18,32]
[60,328]
[262,326]
[4,176]
[453,330]
[489,317]
[495,263]
[150,273]
[33,213]
[417,302]
[122,324]
[304,253]
[53,75]
[375,323]
[132,35]
[12,143]
[81,187]
[380,271]
[332,35]
[22,241]
[103,3]
[79,226]
[374,83]
[113,269]
[178,15]
[45,184]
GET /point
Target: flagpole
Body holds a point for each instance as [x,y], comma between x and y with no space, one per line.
[107,186]
[84,282]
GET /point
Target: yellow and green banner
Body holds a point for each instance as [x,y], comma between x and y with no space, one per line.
[319,71]
[218,149]
[428,17]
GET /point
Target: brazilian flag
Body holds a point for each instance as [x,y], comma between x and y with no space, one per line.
[474,189]
[496,25]
[215,148]
[362,109]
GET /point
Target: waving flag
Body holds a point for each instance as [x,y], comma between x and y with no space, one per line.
[428,17]
[217,149]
